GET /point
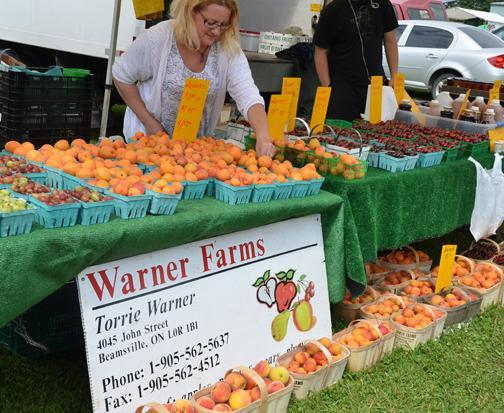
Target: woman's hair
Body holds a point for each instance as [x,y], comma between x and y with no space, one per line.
[182,12]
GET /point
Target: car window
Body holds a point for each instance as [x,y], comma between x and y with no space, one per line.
[418,14]
[437,10]
[499,33]
[399,31]
[484,39]
[429,37]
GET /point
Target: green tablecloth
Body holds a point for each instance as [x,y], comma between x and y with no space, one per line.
[34,266]
[387,210]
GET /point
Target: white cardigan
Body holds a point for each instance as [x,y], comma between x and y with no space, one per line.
[145,61]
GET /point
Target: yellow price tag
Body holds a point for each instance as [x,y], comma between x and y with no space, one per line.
[399,89]
[320,106]
[315,7]
[292,86]
[445,274]
[376,99]
[278,115]
[191,109]
[494,93]
[496,135]
[464,104]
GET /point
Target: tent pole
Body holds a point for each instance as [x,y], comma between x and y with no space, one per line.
[111,58]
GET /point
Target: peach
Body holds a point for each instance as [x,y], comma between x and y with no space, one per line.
[206,402]
[239,399]
[236,381]
[310,365]
[221,392]
[182,406]
[300,357]
[335,349]
[293,366]
[275,386]
[263,369]
[312,349]
[255,394]
[325,342]
[222,408]
[319,357]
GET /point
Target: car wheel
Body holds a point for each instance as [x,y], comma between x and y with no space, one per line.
[438,82]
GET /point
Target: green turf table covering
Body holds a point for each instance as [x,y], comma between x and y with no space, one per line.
[387,210]
[35,265]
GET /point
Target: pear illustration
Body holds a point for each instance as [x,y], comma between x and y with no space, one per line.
[279,325]
[303,316]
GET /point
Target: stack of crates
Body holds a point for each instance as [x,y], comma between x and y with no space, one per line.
[43,105]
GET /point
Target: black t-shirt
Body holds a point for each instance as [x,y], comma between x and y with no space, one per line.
[337,31]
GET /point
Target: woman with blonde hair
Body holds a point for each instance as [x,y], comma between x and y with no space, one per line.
[199,42]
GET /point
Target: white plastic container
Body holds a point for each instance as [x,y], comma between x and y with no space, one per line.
[434,108]
[445,99]
[249,41]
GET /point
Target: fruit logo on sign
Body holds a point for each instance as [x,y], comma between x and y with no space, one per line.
[287,296]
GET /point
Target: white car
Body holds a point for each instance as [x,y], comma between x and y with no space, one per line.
[432,51]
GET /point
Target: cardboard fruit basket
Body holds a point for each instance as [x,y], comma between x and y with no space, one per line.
[276,402]
[394,289]
[455,315]
[410,338]
[488,241]
[306,383]
[361,358]
[491,295]
[469,262]
[423,266]
[351,312]
[420,298]
[395,299]
[439,323]
[388,339]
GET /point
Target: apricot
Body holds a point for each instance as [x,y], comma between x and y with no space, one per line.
[84,173]
[11,146]
[239,399]
[62,145]
[221,392]
[103,173]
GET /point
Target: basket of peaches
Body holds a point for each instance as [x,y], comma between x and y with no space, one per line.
[463,267]
[486,279]
[263,389]
[460,305]
[315,365]
[419,290]
[349,309]
[406,259]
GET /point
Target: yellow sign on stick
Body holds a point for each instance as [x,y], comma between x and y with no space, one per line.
[292,86]
[320,106]
[191,109]
[376,99]
[496,135]
[315,7]
[278,116]
[464,104]
[494,93]
[399,89]
[445,274]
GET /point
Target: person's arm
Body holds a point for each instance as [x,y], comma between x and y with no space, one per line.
[322,66]
[132,98]
[259,121]
[392,53]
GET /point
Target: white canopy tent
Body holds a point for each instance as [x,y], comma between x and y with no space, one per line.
[462,14]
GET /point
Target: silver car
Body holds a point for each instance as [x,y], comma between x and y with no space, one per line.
[432,51]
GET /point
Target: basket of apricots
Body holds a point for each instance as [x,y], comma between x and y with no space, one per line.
[395,280]
[388,332]
[165,198]
[406,259]
[264,389]
[365,343]
[383,307]
[414,326]
[457,303]
[374,271]
[315,365]
[418,290]
[486,279]
[349,309]
[463,266]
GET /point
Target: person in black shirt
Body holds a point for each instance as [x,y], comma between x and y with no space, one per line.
[348,51]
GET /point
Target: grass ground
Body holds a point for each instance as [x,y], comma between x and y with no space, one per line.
[462,372]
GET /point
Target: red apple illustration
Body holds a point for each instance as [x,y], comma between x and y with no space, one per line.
[285,293]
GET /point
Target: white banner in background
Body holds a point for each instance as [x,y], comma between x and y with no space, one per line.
[163,325]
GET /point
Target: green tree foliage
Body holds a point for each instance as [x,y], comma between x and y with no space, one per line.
[483,5]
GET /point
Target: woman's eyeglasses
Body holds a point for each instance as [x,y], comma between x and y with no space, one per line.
[212,25]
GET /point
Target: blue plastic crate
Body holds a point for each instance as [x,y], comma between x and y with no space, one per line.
[70,181]
[392,164]
[146,168]
[85,182]
[55,178]
[411,164]
[18,195]
[92,213]
[300,189]
[210,190]
[427,160]
[374,159]
[163,204]
[128,207]
[315,186]
[56,216]
[283,190]
[233,195]
[194,190]
[17,223]
[262,193]
[40,177]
